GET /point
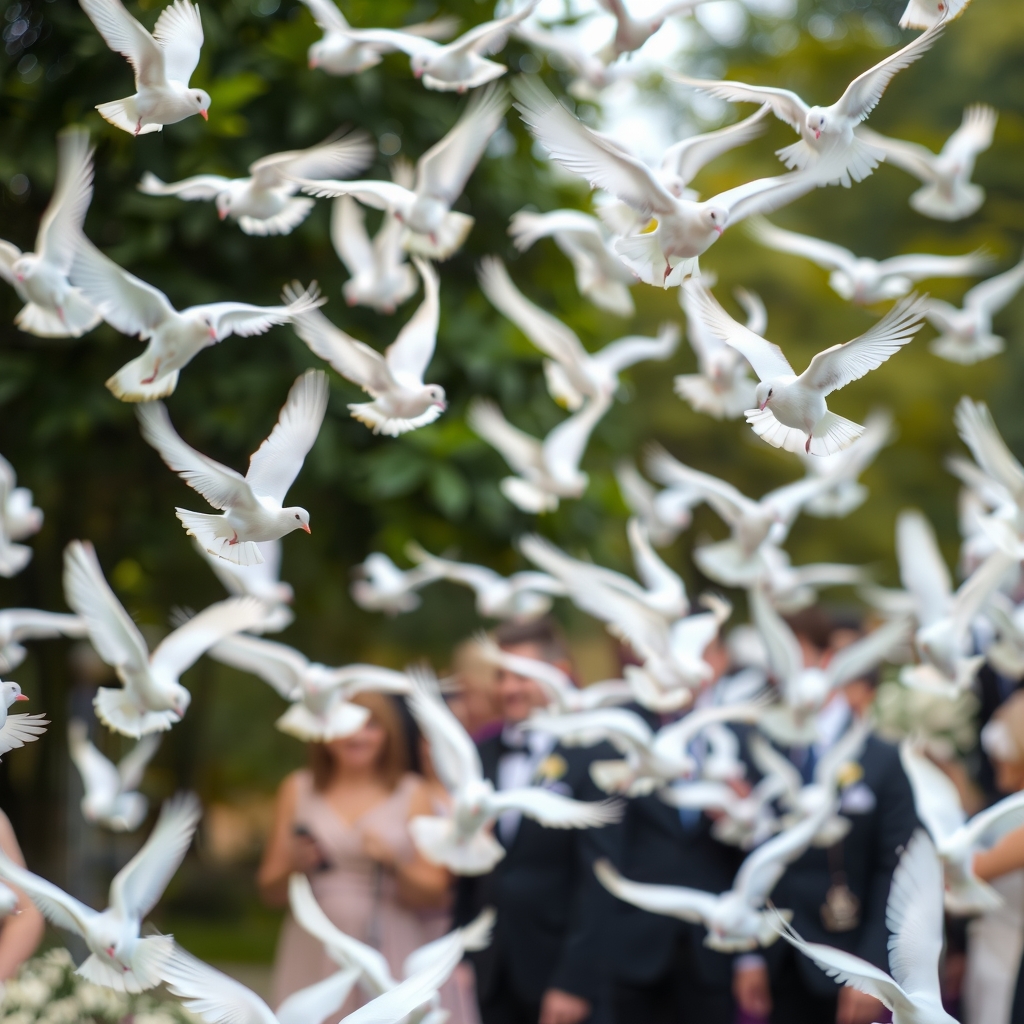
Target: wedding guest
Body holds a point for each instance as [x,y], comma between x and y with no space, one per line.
[22,931]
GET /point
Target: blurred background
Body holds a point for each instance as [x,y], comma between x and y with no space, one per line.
[80,452]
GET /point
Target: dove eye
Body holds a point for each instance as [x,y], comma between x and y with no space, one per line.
[296,517]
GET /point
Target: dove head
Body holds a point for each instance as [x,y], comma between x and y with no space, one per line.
[426,216]
[716,218]
[763,394]
[296,518]
[223,204]
[316,54]
[418,63]
[11,693]
[180,699]
[435,393]
[816,121]
[200,98]
[24,266]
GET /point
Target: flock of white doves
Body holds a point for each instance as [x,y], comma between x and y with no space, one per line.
[68,286]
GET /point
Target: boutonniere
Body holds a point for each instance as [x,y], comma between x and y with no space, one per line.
[552,768]
[848,774]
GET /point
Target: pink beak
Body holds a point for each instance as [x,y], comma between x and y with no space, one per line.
[20,278]
[21,696]
[817,133]
[223,214]
[763,404]
[441,405]
[204,115]
[417,74]
[213,334]
[312,63]
[305,526]
[719,230]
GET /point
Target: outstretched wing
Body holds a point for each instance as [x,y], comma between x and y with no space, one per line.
[123,34]
[825,254]
[62,222]
[211,995]
[553,810]
[179,32]
[246,320]
[992,295]
[54,903]
[979,432]
[692,905]
[922,569]
[275,663]
[327,15]
[686,158]
[785,105]
[520,450]
[409,355]
[132,766]
[198,187]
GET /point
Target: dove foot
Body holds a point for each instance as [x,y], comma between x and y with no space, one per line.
[807,446]
[138,126]
[155,374]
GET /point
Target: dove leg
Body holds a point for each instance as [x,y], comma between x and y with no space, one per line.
[156,368]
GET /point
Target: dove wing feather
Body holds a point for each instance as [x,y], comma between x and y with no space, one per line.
[409,355]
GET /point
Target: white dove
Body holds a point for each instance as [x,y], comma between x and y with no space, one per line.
[265,202]
[262,581]
[151,698]
[651,761]
[631,33]
[20,624]
[926,13]
[723,387]
[394,380]
[805,690]
[163,63]
[914,917]
[320,696]
[685,228]
[461,64]
[17,730]
[791,410]
[342,50]
[546,470]
[19,519]
[664,514]
[829,147]
[947,192]
[956,837]
[54,308]
[944,619]
[383,587]
[523,595]
[572,372]
[462,841]
[252,505]
[375,975]
[965,334]
[111,796]
[564,695]
[861,279]
[120,958]
[379,275]
[173,338]
[601,276]
[433,229]
[736,920]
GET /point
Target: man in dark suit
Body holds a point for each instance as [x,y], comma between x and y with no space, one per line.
[545,964]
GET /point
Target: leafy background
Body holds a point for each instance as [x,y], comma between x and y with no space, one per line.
[80,452]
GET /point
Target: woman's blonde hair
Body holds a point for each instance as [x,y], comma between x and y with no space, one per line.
[393,761]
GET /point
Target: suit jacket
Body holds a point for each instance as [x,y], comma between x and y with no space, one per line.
[880,806]
[552,912]
[657,849]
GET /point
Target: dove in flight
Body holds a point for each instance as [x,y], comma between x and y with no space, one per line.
[54,307]
[947,192]
[956,837]
[120,958]
[965,333]
[17,730]
[433,228]
[546,471]
[379,274]
[928,13]
[151,699]
[381,586]
[321,709]
[111,796]
[20,624]
[462,840]
[914,918]
[523,595]
[252,506]
[631,32]
[173,338]
[265,203]
[394,380]
[19,519]
[722,387]
[601,276]
[791,410]
[860,279]
[262,581]
[572,372]
[343,50]
[663,514]
[374,974]
[830,148]
[163,63]
[685,228]
[461,64]
[736,920]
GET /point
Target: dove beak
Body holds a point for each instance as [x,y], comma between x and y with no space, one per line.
[719,229]
[20,278]
[817,133]
[417,74]
[442,405]
[213,333]
[21,696]
[763,404]
[222,214]
[204,115]
[305,526]
[313,63]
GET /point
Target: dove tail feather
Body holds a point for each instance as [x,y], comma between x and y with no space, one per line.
[645,257]
[391,426]
[210,529]
[778,435]
[952,349]
[437,840]
[151,954]
[127,384]
[528,497]
[294,213]
[930,202]
[121,114]
[833,433]
[13,558]
[116,709]
[79,317]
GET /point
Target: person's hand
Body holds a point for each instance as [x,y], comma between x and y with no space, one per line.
[376,849]
[558,1007]
[857,1007]
[751,990]
[306,855]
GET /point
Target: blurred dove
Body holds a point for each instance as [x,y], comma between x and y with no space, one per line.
[743,821]
[631,33]
[663,514]
[262,581]
[572,372]
[927,13]
[252,505]
[394,380]
[830,147]
[54,308]
[120,958]
[163,63]
[265,202]
[17,730]
[383,587]
[861,279]
[19,519]
[111,798]
[433,229]
[151,698]
[19,624]
[948,192]
[173,338]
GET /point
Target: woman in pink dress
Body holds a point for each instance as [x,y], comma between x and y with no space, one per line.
[344,823]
